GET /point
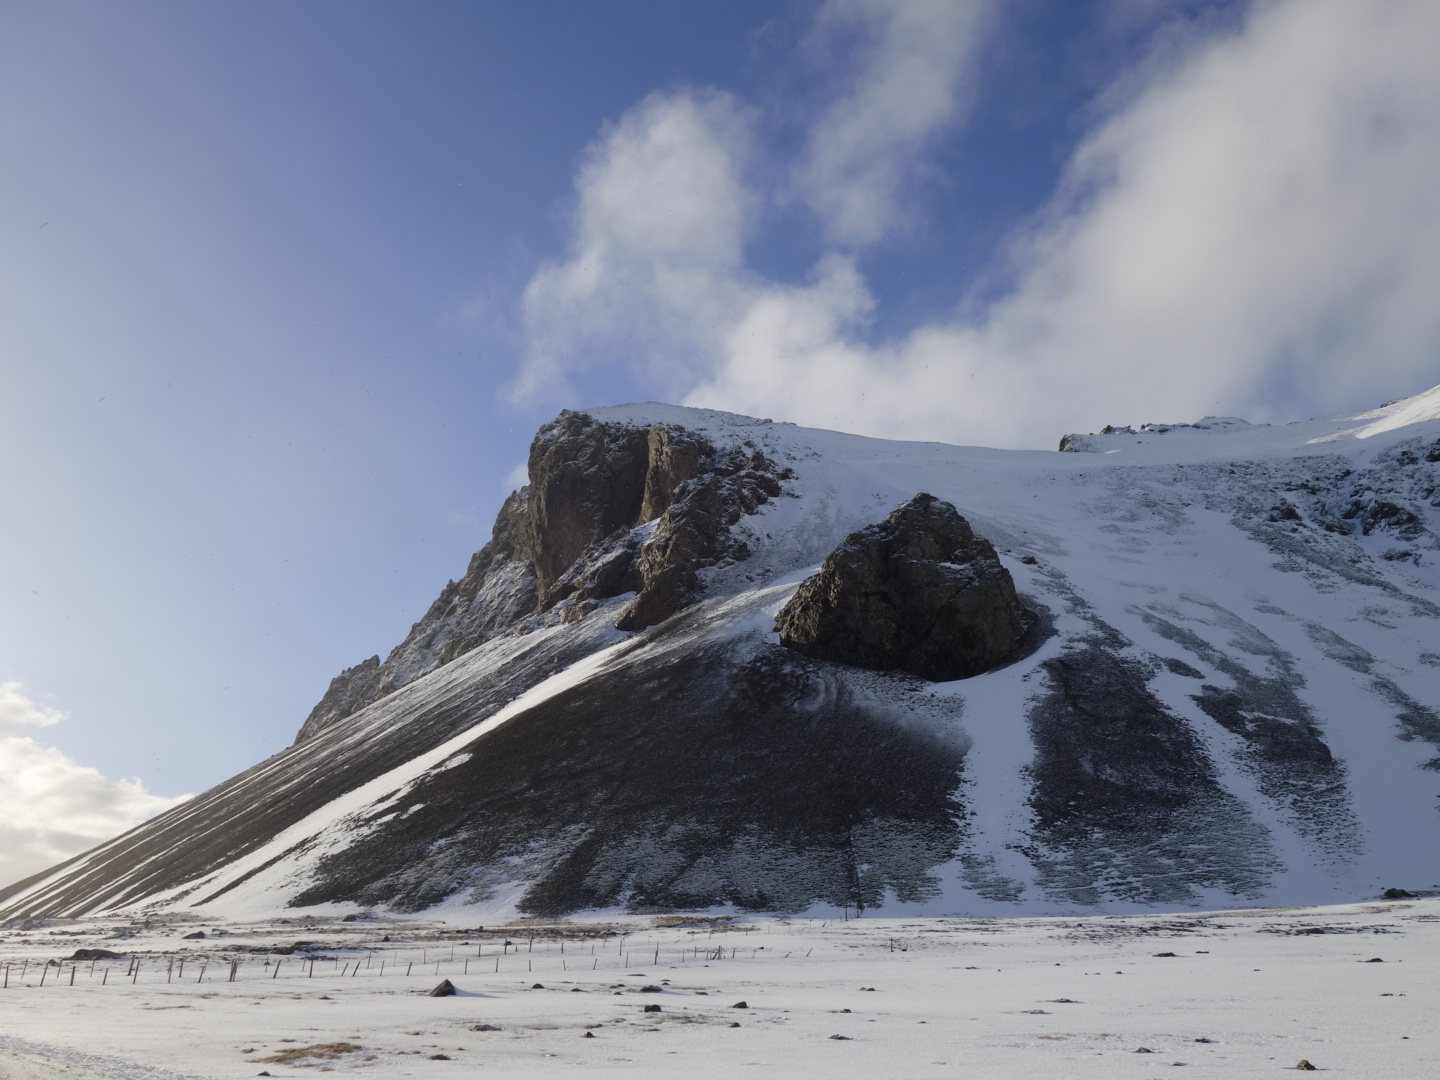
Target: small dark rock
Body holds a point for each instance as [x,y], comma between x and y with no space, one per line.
[918,592]
[195,936]
[588,1035]
[440,1057]
[740,1005]
[445,989]
[94,954]
[262,1074]
[1162,954]
[1397,894]
[484,1027]
[650,990]
[1373,960]
[734,1025]
[842,1038]
[1305,1066]
[652,1008]
[538,986]
[1144,1050]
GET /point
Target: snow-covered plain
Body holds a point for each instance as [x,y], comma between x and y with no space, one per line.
[1230,994]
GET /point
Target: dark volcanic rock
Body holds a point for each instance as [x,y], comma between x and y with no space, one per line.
[694,533]
[95,954]
[919,592]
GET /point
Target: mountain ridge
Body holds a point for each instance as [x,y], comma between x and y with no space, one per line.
[1233,701]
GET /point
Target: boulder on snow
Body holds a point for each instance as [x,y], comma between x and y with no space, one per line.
[94,954]
[445,989]
[918,592]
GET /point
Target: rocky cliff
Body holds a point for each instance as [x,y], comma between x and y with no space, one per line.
[610,508]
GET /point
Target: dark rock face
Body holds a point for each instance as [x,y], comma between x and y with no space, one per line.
[694,533]
[568,540]
[587,481]
[919,592]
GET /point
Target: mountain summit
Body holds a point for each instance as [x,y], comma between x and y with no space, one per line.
[1179,665]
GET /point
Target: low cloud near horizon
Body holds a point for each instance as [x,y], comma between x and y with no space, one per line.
[52,807]
[1253,227]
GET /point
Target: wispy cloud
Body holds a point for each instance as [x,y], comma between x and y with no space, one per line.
[656,266]
[51,807]
[911,79]
[1256,227]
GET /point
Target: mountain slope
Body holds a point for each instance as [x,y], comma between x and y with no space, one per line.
[1228,694]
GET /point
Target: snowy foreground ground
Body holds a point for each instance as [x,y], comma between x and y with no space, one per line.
[1228,994]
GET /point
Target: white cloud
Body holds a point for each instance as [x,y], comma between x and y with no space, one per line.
[656,265]
[1255,229]
[51,807]
[910,82]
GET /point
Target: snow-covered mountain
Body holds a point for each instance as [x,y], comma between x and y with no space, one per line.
[1220,688]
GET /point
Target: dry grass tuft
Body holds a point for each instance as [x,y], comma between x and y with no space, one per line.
[324,1051]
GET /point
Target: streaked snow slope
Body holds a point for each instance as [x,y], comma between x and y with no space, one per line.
[1236,702]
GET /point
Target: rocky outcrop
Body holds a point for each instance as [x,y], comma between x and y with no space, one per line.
[694,533]
[919,592]
[575,536]
[1095,444]
[354,684]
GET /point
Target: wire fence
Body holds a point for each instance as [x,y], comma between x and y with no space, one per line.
[506,957]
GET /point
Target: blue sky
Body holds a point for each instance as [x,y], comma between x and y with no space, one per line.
[286,288]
